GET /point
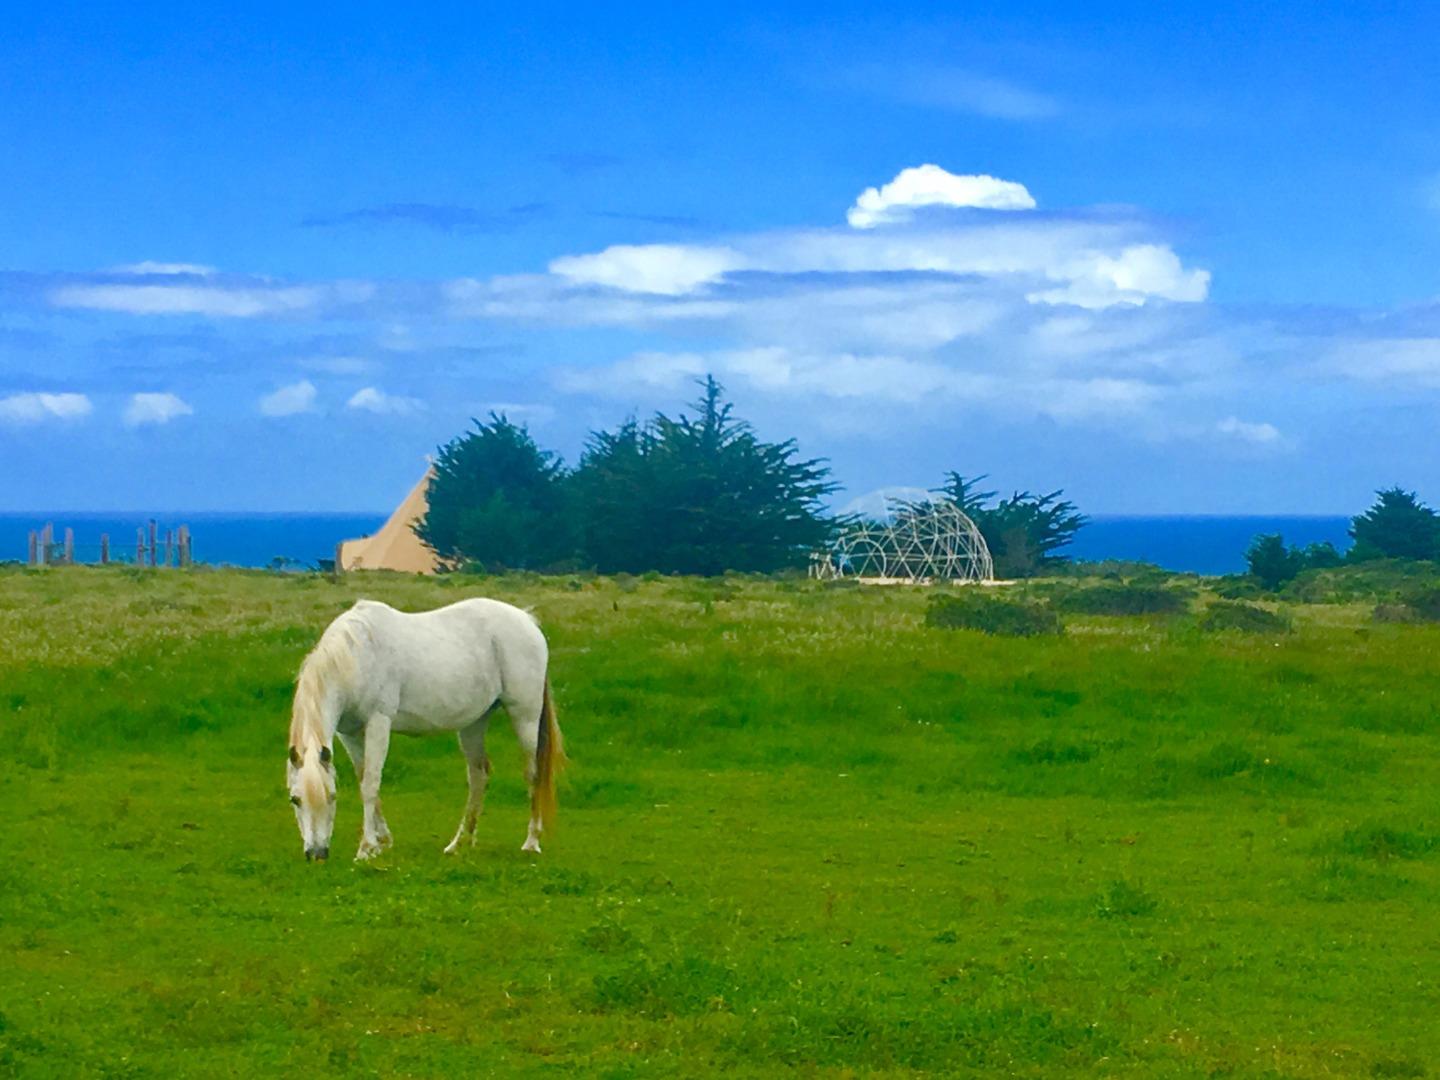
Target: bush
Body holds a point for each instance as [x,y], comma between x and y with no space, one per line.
[1380,580]
[1248,618]
[1419,605]
[1117,598]
[972,609]
[1425,603]
[1237,587]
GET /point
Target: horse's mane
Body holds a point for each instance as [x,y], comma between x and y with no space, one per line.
[329,665]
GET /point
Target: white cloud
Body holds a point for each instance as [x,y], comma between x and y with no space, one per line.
[663,269]
[1414,360]
[1244,431]
[241,303]
[866,382]
[154,409]
[340,365]
[288,400]
[246,299]
[377,401]
[643,371]
[1136,274]
[32,408]
[150,268]
[930,185]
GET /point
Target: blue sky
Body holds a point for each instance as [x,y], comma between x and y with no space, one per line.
[1178,260]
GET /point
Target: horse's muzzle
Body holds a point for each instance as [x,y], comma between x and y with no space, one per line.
[317,854]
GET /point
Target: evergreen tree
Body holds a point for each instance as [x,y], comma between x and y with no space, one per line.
[1398,526]
[1271,563]
[698,495]
[1023,532]
[497,500]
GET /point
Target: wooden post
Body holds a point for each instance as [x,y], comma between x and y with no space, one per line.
[154,545]
[169,547]
[184,545]
[104,549]
[34,559]
[69,546]
[140,546]
[47,539]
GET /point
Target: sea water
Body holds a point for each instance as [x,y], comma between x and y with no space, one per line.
[1202,545]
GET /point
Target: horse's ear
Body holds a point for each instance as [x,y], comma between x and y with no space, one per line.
[294,757]
[324,755]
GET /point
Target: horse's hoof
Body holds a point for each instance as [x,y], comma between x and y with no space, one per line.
[366,853]
[531,845]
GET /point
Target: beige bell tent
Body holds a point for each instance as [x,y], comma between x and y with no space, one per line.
[395,546]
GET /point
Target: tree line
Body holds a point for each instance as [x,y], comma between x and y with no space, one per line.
[693,494]
[1397,526]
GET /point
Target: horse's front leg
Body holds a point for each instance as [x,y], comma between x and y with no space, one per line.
[472,745]
[376,833]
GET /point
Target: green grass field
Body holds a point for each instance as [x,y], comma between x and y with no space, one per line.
[802,831]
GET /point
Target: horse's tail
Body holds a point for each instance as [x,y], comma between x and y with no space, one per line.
[550,761]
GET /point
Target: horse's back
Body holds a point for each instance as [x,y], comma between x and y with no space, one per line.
[443,668]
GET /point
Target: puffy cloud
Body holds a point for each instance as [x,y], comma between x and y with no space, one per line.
[377,401]
[663,269]
[33,408]
[930,185]
[289,400]
[1135,274]
[154,409]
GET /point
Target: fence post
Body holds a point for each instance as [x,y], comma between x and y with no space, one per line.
[169,547]
[47,539]
[104,549]
[140,546]
[184,541]
[154,553]
[69,546]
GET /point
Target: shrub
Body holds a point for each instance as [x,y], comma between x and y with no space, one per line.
[970,609]
[1271,562]
[1394,613]
[1125,900]
[1237,587]
[1248,618]
[1425,603]
[1117,598]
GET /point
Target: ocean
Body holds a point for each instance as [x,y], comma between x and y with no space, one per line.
[1202,545]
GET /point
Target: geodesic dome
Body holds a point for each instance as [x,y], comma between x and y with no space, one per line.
[923,541]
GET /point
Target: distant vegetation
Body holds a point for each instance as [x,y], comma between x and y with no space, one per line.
[698,494]
[687,495]
[1397,528]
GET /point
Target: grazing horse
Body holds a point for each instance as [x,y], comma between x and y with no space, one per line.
[377,670]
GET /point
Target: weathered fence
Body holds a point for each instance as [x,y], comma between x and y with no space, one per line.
[152,548]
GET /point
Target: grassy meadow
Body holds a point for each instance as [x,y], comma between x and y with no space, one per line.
[803,831]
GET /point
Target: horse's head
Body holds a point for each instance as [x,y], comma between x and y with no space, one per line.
[310,778]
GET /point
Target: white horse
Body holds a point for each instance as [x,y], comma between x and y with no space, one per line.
[377,670]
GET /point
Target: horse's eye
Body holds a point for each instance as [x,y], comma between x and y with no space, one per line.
[295,799]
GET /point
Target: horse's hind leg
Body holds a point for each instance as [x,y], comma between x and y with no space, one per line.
[525,719]
[472,745]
